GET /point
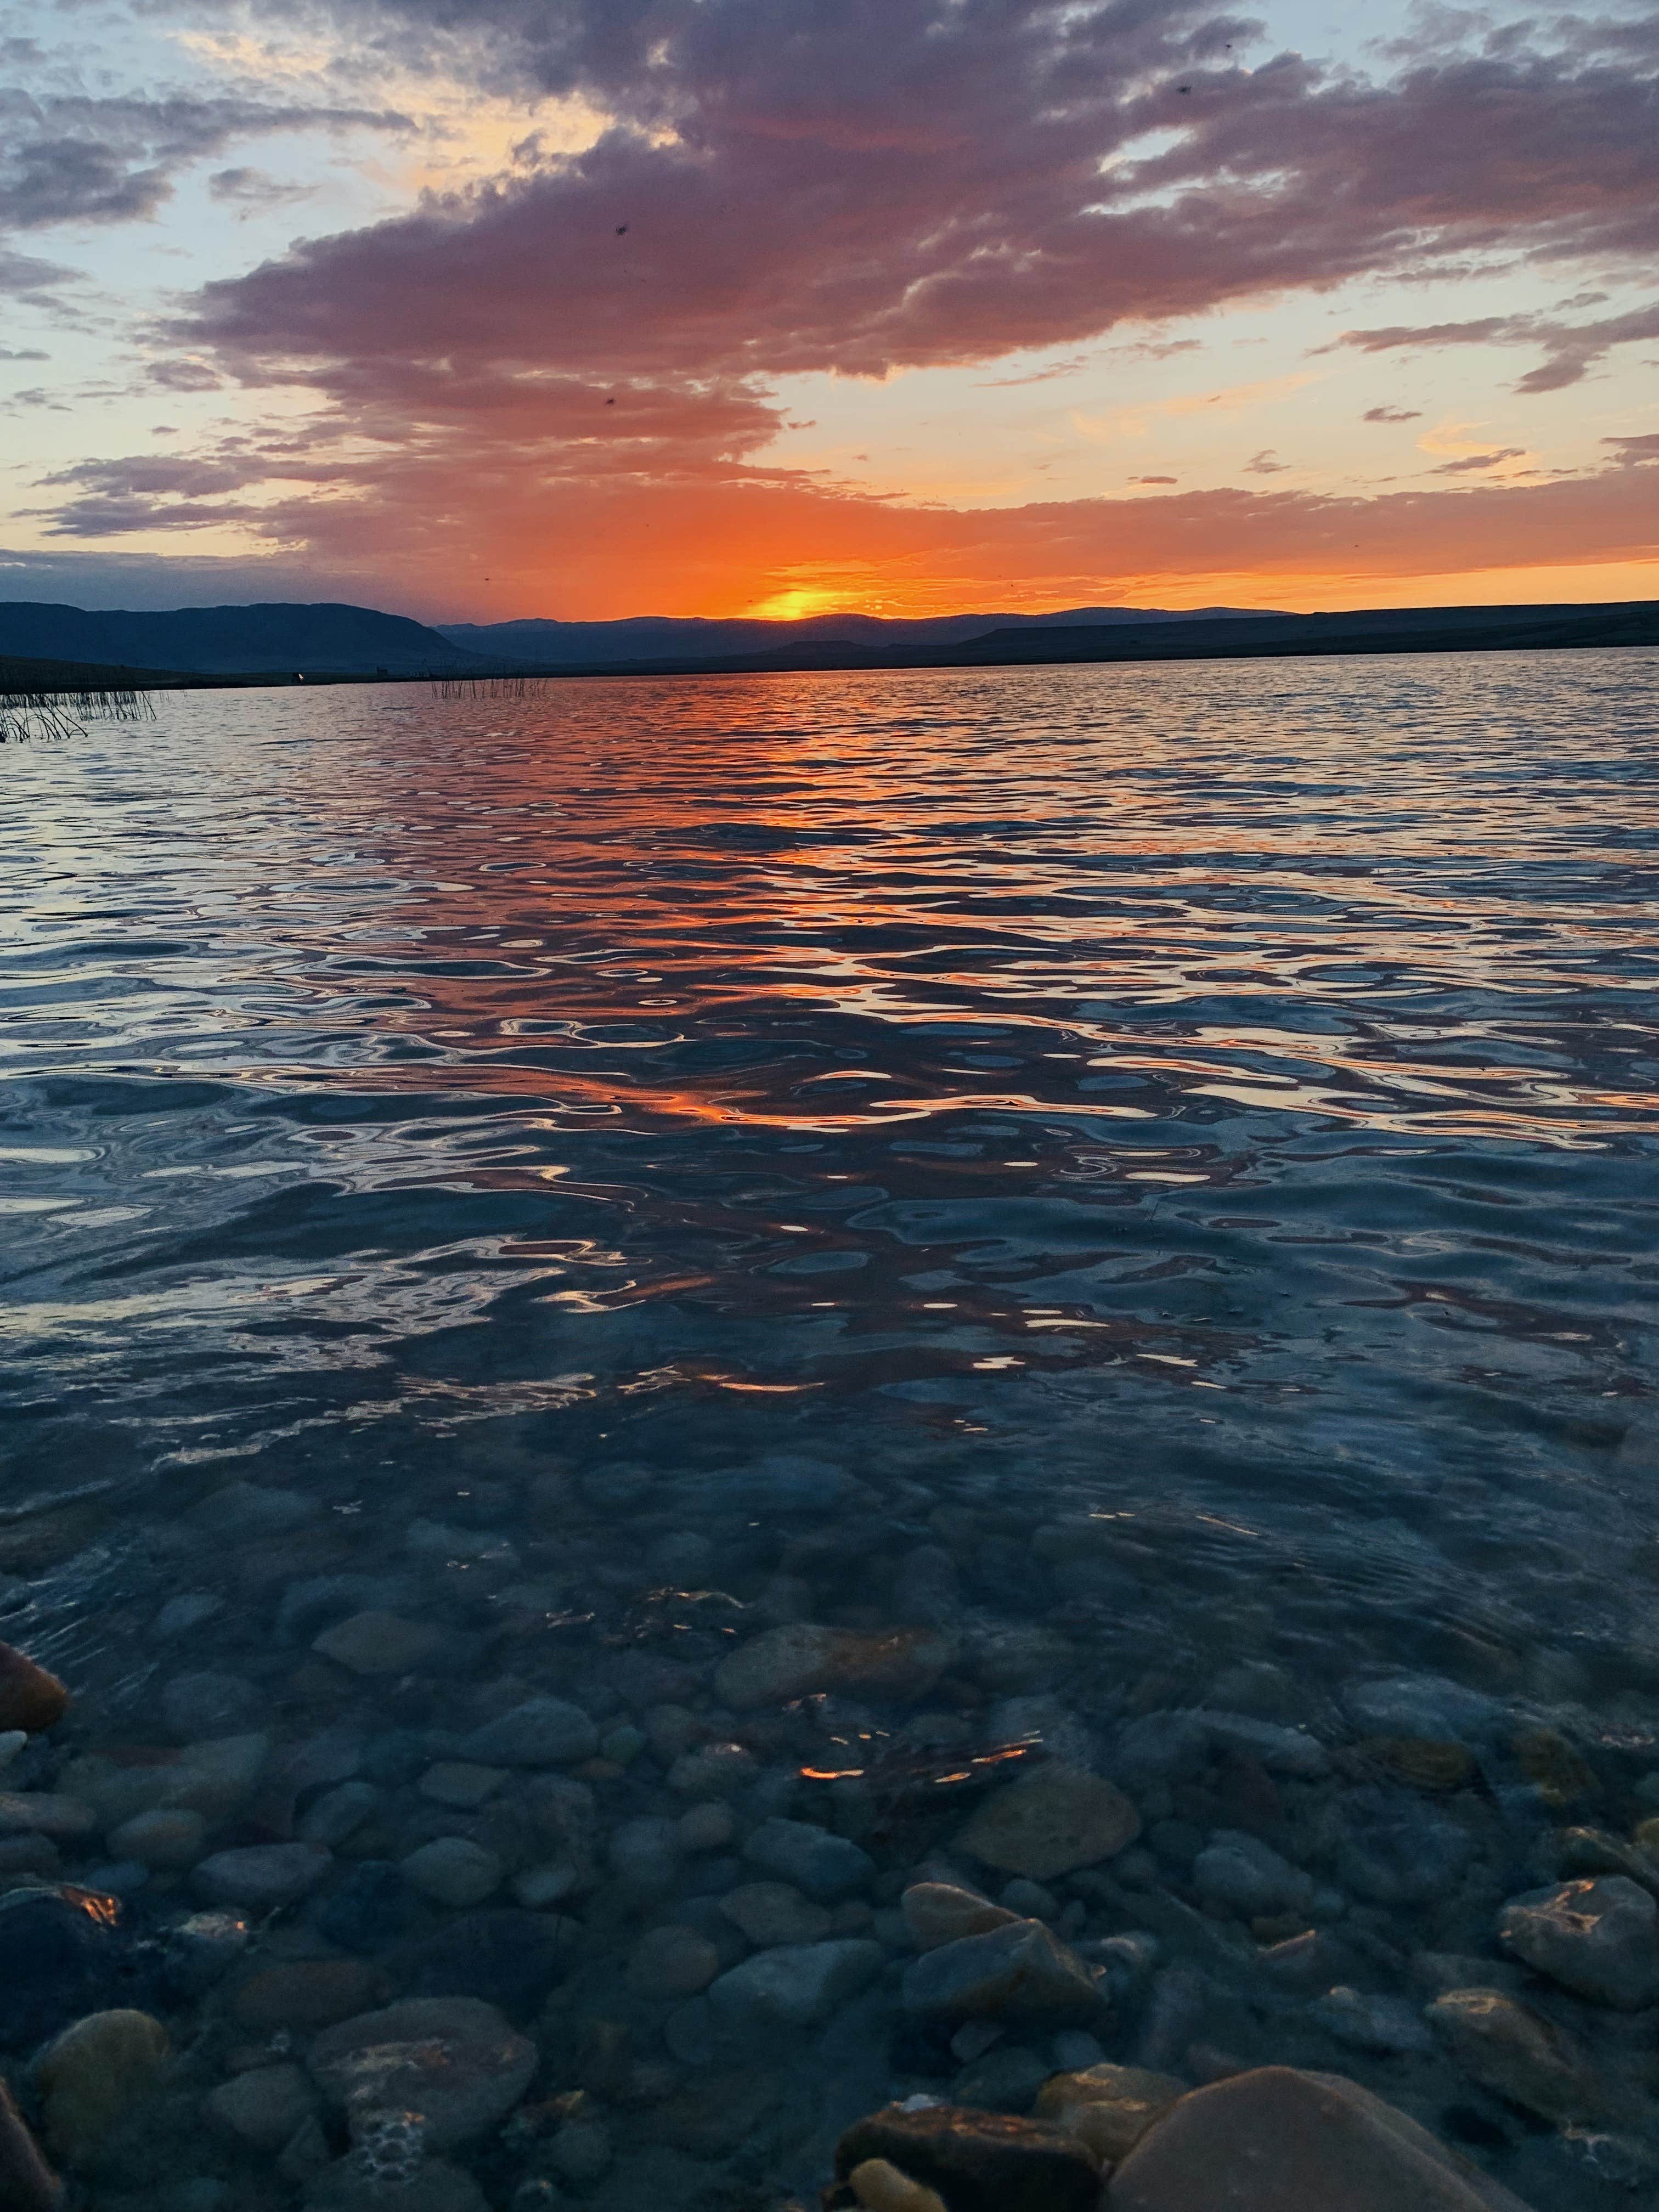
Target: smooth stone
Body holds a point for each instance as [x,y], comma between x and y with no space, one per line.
[1020,1973]
[541,1732]
[453,2060]
[196,1707]
[937,1912]
[1108,2108]
[1509,2048]
[262,1875]
[1597,1938]
[1397,1850]
[1391,2026]
[30,1698]
[1242,1876]
[266,2107]
[538,1887]
[673,1962]
[27,2184]
[502,1955]
[796,1985]
[167,1841]
[717,2113]
[1591,1851]
[45,1813]
[339,1813]
[644,1855]
[190,1609]
[92,2076]
[713,1771]
[215,1779]
[800,1658]
[454,1871]
[772,1913]
[378,1643]
[453,1781]
[1422,1705]
[303,1995]
[706,1828]
[581,2151]
[1423,1761]
[880,2187]
[977,2161]
[202,1949]
[1005,2079]
[12,1741]
[826,1867]
[58,1961]
[1274,2140]
[1050,1822]
[1281,1750]
[371,1907]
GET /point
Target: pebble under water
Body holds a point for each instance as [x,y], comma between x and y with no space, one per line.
[733,1401]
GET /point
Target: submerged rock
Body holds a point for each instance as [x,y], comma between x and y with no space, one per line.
[30,1698]
[1275,2140]
[1050,1822]
[63,1954]
[1108,2108]
[977,2161]
[825,1866]
[937,1912]
[541,1732]
[800,1658]
[1020,1973]
[1599,1939]
[797,1985]
[262,1875]
[93,2077]
[378,1643]
[266,2107]
[1509,2048]
[453,2061]
[880,2186]
[27,2184]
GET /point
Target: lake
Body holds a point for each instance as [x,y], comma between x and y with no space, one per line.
[818,1234]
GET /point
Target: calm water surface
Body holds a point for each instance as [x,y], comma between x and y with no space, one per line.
[1161,1156]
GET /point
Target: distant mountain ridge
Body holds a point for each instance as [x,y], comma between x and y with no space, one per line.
[280,636]
[686,637]
[279,643]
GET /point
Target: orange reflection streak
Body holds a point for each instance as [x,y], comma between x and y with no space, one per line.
[663,904]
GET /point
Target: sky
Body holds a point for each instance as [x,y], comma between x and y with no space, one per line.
[482,309]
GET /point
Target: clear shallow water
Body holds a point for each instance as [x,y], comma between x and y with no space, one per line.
[1202,1119]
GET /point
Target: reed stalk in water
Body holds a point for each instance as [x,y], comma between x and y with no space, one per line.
[29,717]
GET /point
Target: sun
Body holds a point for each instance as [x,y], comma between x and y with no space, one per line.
[795,603]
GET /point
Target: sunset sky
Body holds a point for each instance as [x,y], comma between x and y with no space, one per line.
[485,308]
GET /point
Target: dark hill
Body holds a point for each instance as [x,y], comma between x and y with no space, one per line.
[275,638]
[1362,630]
[660,637]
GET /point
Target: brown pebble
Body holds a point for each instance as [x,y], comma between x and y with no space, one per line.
[27,2184]
[306,1994]
[1422,1761]
[30,1698]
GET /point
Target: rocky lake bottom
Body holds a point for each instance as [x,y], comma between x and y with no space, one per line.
[797,1485]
